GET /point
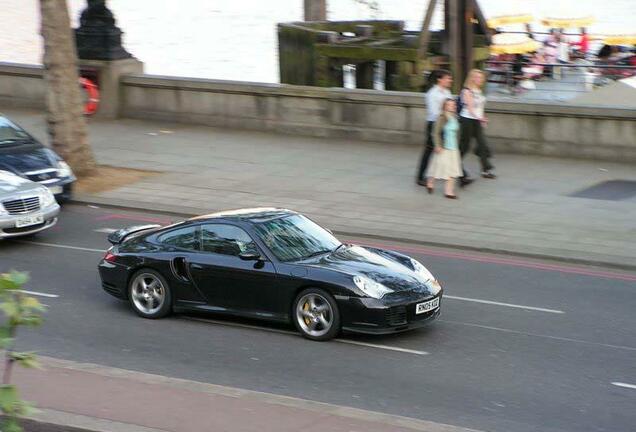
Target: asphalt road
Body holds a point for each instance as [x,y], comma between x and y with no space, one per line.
[522,345]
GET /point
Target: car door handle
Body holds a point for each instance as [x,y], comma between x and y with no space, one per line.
[197,266]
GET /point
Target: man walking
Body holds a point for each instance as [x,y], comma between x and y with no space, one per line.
[435,97]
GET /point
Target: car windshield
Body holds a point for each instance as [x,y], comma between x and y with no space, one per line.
[295,237]
[9,132]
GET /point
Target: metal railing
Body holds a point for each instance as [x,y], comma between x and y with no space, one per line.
[551,81]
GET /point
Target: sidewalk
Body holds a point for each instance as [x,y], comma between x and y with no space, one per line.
[98,398]
[368,189]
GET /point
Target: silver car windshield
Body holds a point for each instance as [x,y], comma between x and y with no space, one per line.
[295,237]
[10,132]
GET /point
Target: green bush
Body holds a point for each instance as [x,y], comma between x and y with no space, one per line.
[19,310]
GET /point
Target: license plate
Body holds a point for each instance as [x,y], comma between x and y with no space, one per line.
[56,190]
[427,306]
[26,221]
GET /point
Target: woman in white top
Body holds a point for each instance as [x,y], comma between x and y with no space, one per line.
[472,119]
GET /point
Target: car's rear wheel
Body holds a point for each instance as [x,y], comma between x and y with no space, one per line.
[149,294]
[316,315]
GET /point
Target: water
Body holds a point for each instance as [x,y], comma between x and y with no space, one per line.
[236,39]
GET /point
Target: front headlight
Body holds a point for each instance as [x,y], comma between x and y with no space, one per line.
[46,198]
[370,287]
[63,169]
[426,276]
[421,270]
[3,211]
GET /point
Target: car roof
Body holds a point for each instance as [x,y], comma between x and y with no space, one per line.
[254,215]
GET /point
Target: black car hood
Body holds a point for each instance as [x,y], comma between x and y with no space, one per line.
[25,157]
[376,264]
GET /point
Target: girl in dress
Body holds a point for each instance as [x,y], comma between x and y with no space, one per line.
[446,163]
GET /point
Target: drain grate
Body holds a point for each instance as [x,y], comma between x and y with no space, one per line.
[612,190]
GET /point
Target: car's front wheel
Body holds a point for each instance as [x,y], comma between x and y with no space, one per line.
[316,315]
[149,294]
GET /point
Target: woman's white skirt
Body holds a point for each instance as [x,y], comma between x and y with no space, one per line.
[445,164]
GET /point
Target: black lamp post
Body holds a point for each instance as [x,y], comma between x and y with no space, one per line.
[98,38]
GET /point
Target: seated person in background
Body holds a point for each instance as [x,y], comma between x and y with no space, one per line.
[582,46]
[534,70]
[550,54]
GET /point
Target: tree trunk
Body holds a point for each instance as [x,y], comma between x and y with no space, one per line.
[315,10]
[64,102]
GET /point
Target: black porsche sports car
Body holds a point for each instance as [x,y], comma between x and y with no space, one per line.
[272,264]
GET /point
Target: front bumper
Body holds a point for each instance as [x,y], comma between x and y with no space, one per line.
[61,187]
[371,316]
[8,227]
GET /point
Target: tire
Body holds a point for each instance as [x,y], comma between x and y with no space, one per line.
[149,294]
[316,315]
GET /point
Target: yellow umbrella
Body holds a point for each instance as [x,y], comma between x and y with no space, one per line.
[502,20]
[513,43]
[567,22]
[620,39]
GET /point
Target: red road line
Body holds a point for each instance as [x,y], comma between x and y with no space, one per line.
[508,261]
[133,218]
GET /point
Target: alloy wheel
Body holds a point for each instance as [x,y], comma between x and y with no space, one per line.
[148,293]
[314,314]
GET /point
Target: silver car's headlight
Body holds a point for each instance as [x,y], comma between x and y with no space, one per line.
[426,276]
[46,197]
[370,287]
[3,211]
[63,169]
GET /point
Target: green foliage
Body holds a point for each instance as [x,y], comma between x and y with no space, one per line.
[19,310]
[11,404]
[25,359]
[12,281]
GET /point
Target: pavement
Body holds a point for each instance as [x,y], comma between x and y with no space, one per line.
[576,210]
[522,345]
[129,401]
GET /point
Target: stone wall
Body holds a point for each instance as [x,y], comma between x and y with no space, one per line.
[391,117]
[21,86]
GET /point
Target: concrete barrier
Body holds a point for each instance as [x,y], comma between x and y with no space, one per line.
[392,117]
[21,86]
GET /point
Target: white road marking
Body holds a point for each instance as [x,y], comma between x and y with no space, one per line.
[559,338]
[105,230]
[384,347]
[539,309]
[61,246]
[39,294]
[287,332]
[629,386]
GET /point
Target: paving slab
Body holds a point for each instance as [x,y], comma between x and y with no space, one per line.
[537,206]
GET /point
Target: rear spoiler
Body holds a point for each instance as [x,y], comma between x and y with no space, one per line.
[118,236]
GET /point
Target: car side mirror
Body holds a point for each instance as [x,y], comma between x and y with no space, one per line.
[250,256]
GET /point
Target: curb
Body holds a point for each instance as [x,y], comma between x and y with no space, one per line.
[180,211]
[48,420]
[94,424]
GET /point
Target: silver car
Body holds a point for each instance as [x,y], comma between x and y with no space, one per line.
[26,207]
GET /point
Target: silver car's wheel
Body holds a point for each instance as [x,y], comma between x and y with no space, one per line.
[149,294]
[316,315]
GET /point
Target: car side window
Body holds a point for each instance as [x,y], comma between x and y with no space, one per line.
[183,238]
[226,240]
